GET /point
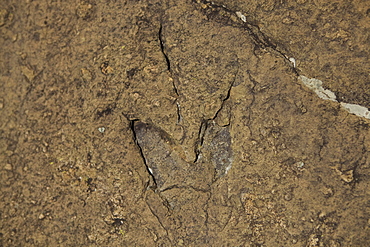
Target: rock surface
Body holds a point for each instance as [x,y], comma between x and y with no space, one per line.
[183,123]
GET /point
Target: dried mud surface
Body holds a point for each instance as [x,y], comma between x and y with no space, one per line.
[175,123]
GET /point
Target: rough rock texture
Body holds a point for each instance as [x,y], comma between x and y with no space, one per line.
[176,123]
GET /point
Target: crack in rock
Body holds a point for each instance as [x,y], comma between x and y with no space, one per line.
[216,148]
[161,43]
[153,183]
[259,38]
[264,41]
[316,86]
[210,122]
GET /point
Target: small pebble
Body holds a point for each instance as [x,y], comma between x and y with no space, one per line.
[288,197]
[347,176]
[41,216]
[8,167]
